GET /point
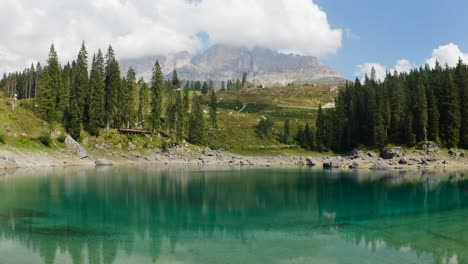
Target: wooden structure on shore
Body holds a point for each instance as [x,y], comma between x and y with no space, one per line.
[133,131]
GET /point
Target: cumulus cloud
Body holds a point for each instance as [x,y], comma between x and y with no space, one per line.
[147,27]
[366,68]
[447,54]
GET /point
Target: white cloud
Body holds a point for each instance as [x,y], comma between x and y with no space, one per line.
[145,27]
[366,68]
[403,66]
[447,54]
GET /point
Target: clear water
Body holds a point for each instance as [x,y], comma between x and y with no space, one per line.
[227,215]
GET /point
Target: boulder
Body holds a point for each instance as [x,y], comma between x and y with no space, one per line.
[356,154]
[74,146]
[379,165]
[390,153]
[208,152]
[403,161]
[310,162]
[354,165]
[462,154]
[332,164]
[452,152]
[131,146]
[371,154]
[103,162]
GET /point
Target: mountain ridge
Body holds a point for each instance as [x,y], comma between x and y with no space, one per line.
[222,62]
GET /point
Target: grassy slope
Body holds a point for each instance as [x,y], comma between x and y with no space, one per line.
[237,128]
[21,128]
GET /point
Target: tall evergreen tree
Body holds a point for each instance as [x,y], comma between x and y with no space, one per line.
[286,132]
[450,118]
[80,85]
[56,85]
[213,110]
[175,80]
[46,97]
[143,101]
[113,87]
[461,75]
[157,89]
[97,102]
[197,123]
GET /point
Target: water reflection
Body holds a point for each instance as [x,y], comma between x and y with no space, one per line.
[143,214]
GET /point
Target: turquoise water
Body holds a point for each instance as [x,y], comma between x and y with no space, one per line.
[228,215]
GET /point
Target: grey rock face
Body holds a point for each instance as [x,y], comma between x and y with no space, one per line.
[379,165]
[208,152]
[103,162]
[332,164]
[74,146]
[223,62]
[355,165]
[390,153]
[310,162]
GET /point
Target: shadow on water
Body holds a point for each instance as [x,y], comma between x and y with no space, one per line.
[104,211]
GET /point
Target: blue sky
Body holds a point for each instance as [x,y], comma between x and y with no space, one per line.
[386,31]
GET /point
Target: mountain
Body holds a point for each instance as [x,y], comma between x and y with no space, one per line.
[223,62]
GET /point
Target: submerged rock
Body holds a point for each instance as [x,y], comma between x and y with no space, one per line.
[103,162]
[74,146]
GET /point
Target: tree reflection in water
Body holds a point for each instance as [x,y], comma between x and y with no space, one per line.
[99,215]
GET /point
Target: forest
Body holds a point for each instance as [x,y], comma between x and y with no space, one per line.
[425,104]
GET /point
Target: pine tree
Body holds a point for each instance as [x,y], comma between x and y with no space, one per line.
[128,98]
[321,130]
[420,111]
[179,116]
[46,97]
[286,132]
[450,119]
[197,123]
[175,80]
[461,73]
[205,88]
[97,87]
[213,110]
[186,108]
[112,91]
[80,85]
[157,89]
[56,85]
[223,86]
[143,101]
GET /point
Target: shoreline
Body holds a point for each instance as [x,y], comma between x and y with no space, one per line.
[12,158]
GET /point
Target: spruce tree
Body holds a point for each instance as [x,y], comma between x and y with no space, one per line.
[46,97]
[143,101]
[175,80]
[286,132]
[450,118]
[80,85]
[157,89]
[213,110]
[461,73]
[205,88]
[179,116]
[113,87]
[56,86]
[420,111]
[97,86]
[197,123]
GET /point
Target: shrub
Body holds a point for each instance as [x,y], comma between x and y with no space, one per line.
[61,138]
[2,139]
[165,146]
[45,140]
[264,129]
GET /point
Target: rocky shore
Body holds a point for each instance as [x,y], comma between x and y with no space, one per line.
[388,159]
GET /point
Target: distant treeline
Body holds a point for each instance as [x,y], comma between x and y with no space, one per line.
[101,98]
[426,104]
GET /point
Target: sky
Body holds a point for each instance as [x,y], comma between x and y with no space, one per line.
[349,35]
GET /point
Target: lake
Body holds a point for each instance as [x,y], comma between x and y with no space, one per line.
[178,214]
